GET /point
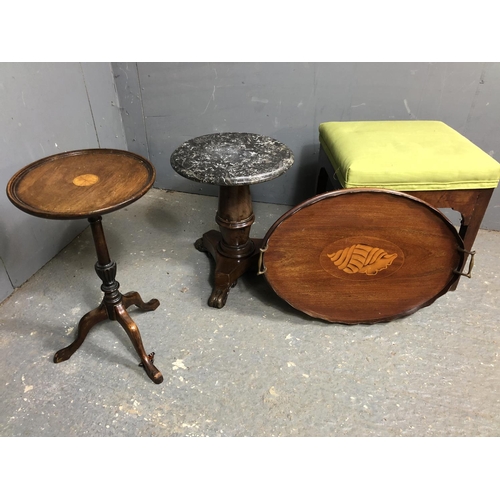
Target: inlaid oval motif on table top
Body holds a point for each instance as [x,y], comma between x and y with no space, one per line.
[361,258]
[85,180]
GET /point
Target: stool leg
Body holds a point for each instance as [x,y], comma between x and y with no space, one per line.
[321,181]
[326,179]
[471,222]
[113,306]
[231,247]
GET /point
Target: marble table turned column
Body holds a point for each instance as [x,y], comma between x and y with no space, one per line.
[233,161]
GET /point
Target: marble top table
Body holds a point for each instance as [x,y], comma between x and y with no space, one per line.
[233,161]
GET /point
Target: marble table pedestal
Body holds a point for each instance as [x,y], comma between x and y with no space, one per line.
[233,161]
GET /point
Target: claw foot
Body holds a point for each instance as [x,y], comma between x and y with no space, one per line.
[199,245]
[218,297]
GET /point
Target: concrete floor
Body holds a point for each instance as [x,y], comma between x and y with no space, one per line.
[257,367]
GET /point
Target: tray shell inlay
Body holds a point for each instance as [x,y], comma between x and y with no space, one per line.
[362,264]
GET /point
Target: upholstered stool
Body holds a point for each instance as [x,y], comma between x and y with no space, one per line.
[426,159]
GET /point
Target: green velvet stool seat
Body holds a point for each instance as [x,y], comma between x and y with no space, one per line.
[426,159]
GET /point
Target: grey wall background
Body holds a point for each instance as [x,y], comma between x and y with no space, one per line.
[48,108]
[151,108]
[165,104]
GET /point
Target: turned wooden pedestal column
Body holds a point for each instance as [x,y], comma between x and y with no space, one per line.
[232,161]
[232,248]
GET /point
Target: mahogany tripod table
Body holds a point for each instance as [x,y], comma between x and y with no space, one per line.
[87,184]
[232,161]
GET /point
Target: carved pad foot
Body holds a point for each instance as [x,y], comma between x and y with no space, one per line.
[153,373]
[134,299]
[198,244]
[218,297]
[63,354]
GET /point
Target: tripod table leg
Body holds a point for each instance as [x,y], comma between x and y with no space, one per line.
[122,316]
[113,307]
[86,323]
[134,299]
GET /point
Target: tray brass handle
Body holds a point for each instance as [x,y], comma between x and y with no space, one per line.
[471,264]
[261,269]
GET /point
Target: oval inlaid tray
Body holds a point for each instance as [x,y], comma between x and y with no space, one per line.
[361,255]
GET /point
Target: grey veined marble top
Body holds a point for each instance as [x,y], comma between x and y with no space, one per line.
[231,159]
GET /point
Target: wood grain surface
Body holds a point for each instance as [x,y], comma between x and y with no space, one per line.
[80,184]
[362,255]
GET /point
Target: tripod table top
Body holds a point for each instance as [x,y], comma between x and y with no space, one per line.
[80,184]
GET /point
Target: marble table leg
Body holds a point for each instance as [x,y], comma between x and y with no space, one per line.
[232,248]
